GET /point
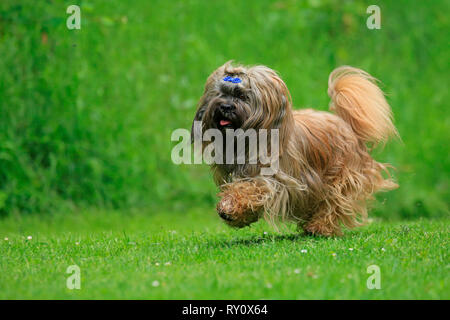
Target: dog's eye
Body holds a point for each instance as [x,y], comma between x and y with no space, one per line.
[238,93]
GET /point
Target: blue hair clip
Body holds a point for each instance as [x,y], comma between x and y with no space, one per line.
[231,79]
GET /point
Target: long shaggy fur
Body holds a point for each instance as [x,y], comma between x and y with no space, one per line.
[326,175]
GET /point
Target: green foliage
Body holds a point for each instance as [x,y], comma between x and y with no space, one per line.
[193,256]
[86,115]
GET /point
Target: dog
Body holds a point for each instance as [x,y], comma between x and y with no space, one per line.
[326,175]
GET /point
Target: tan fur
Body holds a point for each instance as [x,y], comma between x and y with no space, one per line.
[326,173]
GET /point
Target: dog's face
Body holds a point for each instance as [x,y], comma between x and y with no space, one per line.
[243,98]
[239,97]
[229,106]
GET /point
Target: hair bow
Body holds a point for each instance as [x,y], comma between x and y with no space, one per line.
[233,80]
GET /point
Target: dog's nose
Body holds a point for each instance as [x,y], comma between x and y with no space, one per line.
[226,107]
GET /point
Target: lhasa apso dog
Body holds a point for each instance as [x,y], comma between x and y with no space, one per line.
[325,174]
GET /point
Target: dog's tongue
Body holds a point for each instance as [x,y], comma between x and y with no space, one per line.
[224,122]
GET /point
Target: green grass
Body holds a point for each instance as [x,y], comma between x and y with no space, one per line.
[118,254]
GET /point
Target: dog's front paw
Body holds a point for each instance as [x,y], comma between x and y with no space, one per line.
[236,213]
[225,208]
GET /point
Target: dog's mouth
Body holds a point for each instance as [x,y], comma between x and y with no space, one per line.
[225,123]
[225,118]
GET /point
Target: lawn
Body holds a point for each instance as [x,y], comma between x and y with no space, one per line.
[193,255]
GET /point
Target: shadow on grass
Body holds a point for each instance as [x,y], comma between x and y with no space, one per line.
[257,239]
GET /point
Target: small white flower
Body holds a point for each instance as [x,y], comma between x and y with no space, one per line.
[303,251]
[155,283]
[265,232]
[6,239]
[269,285]
[157,264]
[351,249]
[77,243]
[334,254]
[29,237]
[383,249]
[297,271]
[167,264]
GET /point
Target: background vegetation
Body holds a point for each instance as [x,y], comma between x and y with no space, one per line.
[86,115]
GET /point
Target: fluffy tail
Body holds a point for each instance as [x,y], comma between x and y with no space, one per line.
[357,99]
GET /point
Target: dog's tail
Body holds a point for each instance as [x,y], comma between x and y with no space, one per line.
[357,99]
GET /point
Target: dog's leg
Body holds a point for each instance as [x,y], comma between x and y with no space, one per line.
[242,202]
[325,221]
[349,210]
[323,225]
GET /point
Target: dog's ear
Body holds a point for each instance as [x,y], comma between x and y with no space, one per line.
[198,117]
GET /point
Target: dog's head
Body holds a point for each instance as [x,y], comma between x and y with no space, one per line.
[243,98]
